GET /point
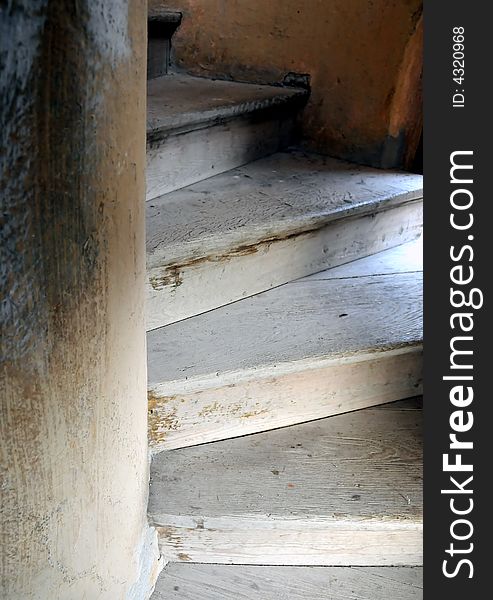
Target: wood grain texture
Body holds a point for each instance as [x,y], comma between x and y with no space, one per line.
[306,350]
[162,14]
[178,102]
[278,196]
[306,320]
[273,221]
[179,160]
[312,390]
[406,258]
[193,288]
[181,581]
[158,56]
[341,491]
[161,25]
[197,128]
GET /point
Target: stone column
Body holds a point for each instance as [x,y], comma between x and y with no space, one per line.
[73,440]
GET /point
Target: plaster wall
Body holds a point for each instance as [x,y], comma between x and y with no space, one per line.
[353,50]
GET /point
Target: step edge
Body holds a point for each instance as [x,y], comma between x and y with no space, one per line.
[278,370]
[254,521]
[304,224]
[287,97]
[164,15]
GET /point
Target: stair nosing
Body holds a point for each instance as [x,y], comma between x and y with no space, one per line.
[294,360]
[267,450]
[261,522]
[164,15]
[213,243]
[301,226]
[281,354]
[278,369]
[285,97]
[356,496]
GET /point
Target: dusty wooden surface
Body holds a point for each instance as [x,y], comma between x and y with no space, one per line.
[312,390]
[204,150]
[177,293]
[406,258]
[220,582]
[310,319]
[181,101]
[306,350]
[267,223]
[197,128]
[162,14]
[275,197]
[161,25]
[346,490]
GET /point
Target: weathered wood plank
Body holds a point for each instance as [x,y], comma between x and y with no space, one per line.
[407,258]
[158,14]
[233,582]
[307,319]
[341,491]
[268,402]
[192,288]
[275,197]
[182,102]
[182,159]
[267,223]
[197,128]
[305,350]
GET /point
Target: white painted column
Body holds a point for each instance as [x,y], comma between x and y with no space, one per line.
[74,467]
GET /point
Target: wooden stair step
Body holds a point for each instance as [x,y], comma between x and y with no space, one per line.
[157,14]
[274,220]
[342,491]
[337,341]
[181,581]
[197,127]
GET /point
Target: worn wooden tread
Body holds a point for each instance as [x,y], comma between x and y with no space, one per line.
[272,198]
[163,15]
[269,222]
[406,258]
[340,340]
[179,102]
[341,491]
[310,319]
[181,581]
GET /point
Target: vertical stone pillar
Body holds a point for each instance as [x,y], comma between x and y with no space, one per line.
[73,441]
